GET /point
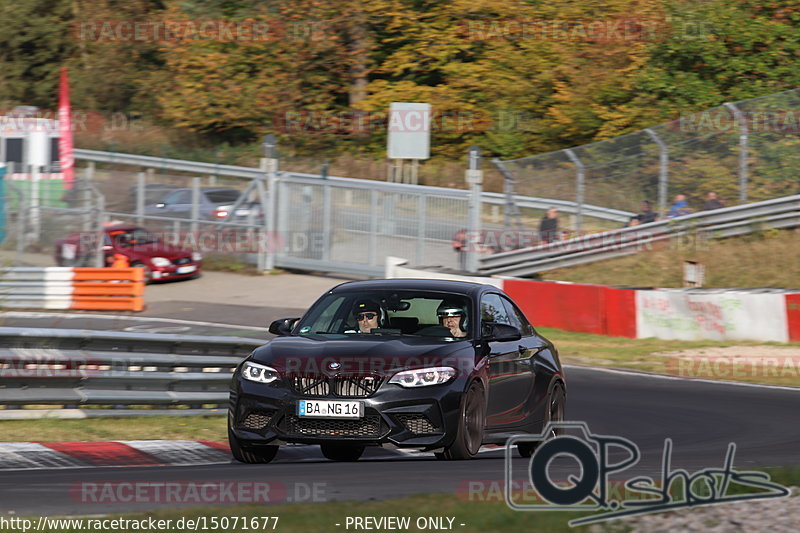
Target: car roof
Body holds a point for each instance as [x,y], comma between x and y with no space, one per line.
[209,189]
[444,285]
[122,227]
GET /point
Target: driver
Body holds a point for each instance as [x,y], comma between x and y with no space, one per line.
[453,317]
[367,314]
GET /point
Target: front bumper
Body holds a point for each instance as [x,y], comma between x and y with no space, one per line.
[424,418]
[174,271]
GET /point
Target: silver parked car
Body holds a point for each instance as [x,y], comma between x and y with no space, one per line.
[215,204]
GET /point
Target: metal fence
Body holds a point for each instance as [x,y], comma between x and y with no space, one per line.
[105,373]
[743,151]
[354,226]
[331,223]
[779,213]
[314,222]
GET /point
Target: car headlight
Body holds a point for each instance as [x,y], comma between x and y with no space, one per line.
[259,373]
[424,376]
[197,256]
[160,261]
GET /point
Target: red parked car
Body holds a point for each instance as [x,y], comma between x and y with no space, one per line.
[142,248]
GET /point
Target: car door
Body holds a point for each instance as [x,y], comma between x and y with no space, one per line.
[537,373]
[510,369]
[178,204]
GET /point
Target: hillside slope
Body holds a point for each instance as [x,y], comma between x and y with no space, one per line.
[767,259]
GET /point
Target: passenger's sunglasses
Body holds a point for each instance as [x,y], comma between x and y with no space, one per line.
[367,316]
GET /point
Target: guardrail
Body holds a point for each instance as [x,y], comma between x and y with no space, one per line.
[726,222]
[107,289]
[106,373]
[488,198]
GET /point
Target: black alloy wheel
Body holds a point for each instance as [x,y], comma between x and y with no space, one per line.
[554,414]
[469,435]
[341,452]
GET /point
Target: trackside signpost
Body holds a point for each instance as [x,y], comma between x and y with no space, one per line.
[409,137]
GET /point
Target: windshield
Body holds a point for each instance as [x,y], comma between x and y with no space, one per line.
[222,196]
[132,237]
[430,314]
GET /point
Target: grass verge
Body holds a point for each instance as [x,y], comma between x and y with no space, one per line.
[484,512]
[139,428]
[766,258]
[639,354]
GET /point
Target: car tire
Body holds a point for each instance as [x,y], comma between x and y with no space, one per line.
[341,452]
[471,422]
[555,413]
[148,275]
[264,454]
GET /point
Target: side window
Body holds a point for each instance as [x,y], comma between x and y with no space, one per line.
[493,310]
[178,197]
[517,318]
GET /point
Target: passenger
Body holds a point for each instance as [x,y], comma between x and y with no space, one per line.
[454,317]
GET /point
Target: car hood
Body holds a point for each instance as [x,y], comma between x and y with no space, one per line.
[313,355]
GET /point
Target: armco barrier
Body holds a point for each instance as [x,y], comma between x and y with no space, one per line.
[682,314]
[116,373]
[108,289]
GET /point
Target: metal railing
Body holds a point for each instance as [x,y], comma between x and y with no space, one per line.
[105,373]
[347,225]
[743,151]
[726,222]
[214,169]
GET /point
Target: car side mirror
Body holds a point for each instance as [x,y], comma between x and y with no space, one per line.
[501,333]
[282,326]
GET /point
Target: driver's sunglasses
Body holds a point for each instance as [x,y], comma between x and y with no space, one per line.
[367,316]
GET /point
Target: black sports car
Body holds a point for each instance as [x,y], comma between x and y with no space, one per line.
[443,366]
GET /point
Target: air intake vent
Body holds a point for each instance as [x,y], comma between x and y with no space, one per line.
[418,424]
[257,420]
[369,426]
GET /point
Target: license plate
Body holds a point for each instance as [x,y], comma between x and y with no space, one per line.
[330,409]
[186,269]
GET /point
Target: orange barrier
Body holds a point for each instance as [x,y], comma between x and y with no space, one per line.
[109,289]
[106,273]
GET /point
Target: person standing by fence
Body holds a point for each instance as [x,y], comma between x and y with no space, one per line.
[680,207]
[712,202]
[548,227]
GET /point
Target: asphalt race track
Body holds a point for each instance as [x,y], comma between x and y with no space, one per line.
[176,318]
[701,419]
